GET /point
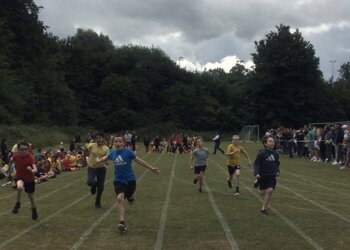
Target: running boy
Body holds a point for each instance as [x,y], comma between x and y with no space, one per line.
[233,152]
[96,171]
[24,178]
[266,169]
[124,178]
[199,161]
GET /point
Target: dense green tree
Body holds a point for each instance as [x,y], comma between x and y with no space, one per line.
[32,75]
[287,88]
[86,55]
[85,79]
[342,89]
[344,72]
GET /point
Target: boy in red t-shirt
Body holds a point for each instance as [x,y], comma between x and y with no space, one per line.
[24,178]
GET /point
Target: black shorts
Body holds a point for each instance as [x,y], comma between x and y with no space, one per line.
[199,169]
[266,182]
[29,186]
[232,169]
[128,188]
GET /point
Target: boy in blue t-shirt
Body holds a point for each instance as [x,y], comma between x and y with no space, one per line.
[124,178]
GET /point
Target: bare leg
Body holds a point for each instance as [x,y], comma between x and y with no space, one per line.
[20,185]
[267,198]
[200,178]
[31,199]
[237,174]
[121,206]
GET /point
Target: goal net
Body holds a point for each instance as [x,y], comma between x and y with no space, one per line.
[249,133]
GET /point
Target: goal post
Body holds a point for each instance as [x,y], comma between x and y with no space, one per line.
[249,133]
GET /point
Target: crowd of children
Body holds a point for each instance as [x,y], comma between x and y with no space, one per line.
[25,168]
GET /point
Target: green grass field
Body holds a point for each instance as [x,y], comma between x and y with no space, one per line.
[309,210]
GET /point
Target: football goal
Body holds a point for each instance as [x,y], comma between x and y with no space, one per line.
[249,133]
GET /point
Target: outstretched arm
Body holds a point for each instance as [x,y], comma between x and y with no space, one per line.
[146,165]
[102,159]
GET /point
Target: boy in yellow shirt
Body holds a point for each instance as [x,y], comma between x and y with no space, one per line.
[97,171]
[233,152]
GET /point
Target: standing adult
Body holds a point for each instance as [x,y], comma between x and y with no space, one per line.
[329,141]
[97,171]
[217,141]
[4,151]
[311,137]
[146,142]
[339,139]
[133,140]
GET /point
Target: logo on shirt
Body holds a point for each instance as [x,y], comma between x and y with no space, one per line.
[120,161]
[271,158]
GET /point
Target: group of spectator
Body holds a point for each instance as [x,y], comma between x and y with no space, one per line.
[330,143]
[176,143]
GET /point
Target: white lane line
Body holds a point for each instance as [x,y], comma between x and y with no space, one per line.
[320,186]
[318,179]
[47,195]
[86,234]
[281,216]
[289,223]
[19,234]
[160,237]
[221,219]
[316,204]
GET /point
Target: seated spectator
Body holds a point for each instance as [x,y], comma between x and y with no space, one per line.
[82,161]
[40,175]
[61,154]
[67,163]
[56,164]
[4,171]
[74,160]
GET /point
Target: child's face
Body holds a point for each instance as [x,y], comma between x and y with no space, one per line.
[118,143]
[23,150]
[235,140]
[99,140]
[199,143]
[270,143]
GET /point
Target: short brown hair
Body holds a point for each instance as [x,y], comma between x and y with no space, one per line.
[265,138]
[22,143]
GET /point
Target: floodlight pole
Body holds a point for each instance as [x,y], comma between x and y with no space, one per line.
[332,62]
[180,58]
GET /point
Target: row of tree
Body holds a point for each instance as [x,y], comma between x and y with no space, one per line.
[86,80]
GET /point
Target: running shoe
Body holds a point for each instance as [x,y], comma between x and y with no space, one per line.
[16,208]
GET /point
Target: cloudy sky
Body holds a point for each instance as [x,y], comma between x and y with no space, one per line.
[207,33]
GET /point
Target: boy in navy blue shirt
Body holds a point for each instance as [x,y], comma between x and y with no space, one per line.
[266,169]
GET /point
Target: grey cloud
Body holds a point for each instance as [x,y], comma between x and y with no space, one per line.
[210,29]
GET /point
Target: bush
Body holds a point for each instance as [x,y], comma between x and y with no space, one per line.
[40,136]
